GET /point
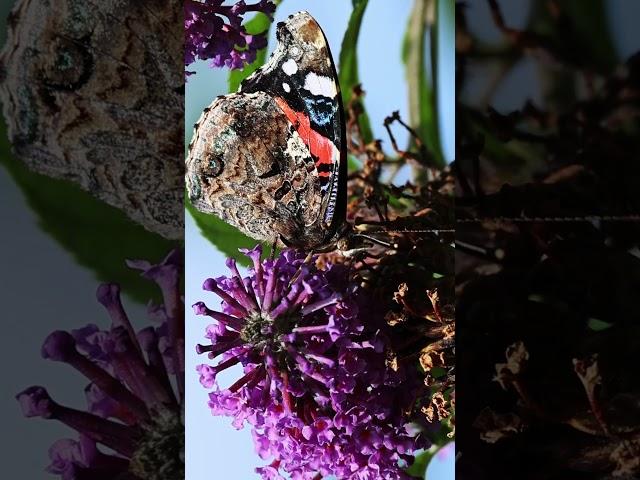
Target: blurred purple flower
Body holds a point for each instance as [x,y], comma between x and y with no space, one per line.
[316,385]
[225,43]
[133,409]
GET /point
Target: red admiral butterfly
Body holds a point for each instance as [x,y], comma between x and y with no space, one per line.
[271,159]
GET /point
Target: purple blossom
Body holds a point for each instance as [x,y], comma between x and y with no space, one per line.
[316,387]
[225,43]
[135,398]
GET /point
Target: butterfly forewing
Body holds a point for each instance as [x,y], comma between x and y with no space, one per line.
[301,76]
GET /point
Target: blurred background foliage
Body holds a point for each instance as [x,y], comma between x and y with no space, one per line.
[98,237]
[547,139]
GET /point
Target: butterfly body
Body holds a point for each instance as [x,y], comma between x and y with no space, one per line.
[271,158]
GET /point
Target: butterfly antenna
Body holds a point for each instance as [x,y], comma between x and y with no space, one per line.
[382,229]
[373,239]
[387,244]
[488,253]
[426,230]
[576,218]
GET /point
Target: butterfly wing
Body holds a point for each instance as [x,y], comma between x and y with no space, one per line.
[301,77]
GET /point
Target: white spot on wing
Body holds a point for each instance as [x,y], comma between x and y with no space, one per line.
[296,149]
[290,67]
[286,87]
[320,85]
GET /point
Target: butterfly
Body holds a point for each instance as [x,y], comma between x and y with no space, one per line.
[271,158]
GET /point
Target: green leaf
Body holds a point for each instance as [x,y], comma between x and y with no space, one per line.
[587,21]
[585,40]
[226,238]
[348,65]
[259,24]
[598,325]
[423,82]
[353,164]
[419,467]
[98,236]
[591,21]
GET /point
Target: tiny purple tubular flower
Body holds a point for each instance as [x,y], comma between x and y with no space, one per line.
[74,459]
[225,43]
[316,388]
[131,366]
[211,286]
[254,254]
[207,375]
[199,308]
[149,340]
[108,294]
[89,341]
[64,453]
[35,402]
[59,346]
[166,275]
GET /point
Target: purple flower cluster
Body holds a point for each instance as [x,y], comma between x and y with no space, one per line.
[317,387]
[133,406]
[209,37]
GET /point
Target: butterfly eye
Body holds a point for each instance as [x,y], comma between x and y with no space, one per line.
[68,64]
[214,166]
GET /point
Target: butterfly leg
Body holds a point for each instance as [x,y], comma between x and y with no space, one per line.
[297,274]
[274,248]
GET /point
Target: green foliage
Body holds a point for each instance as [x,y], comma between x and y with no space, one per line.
[419,467]
[422,81]
[348,64]
[353,164]
[573,44]
[258,24]
[226,238]
[591,21]
[586,21]
[598,325]
[98,236]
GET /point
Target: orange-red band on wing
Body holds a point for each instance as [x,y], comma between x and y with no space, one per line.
[321,147]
